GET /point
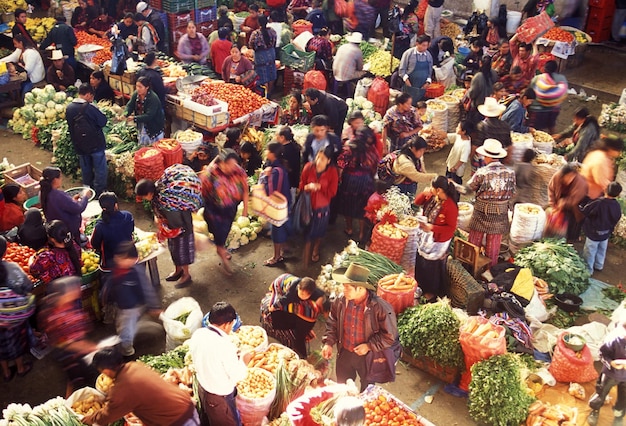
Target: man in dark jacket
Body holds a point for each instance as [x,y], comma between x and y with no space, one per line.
[64,38]
[155,20]
[156,80]
[333,107]
[318,139]
[359,322]
[85,123]
[20,25]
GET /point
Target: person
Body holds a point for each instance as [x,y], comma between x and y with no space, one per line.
[165,404]
[25,57]
[348,64]
[193,46]
[324,103]
[535,7]
[291,156]
[410,168]
[61,258]
[155,79]
[494,185]
[218,367]
[64,39]
[612,354]
[316,16]
[619,16]
[583,133]
[223,21]
[349,411]
[290,309]
[320,138]
[500,93]
[82,16]
[251,23]
[251,160]
[359,322]
[86,123]
[59,205]
[321,180]
[283,30]
[127,26]
[481,88]
[416,67]
[439,203]
[517,111]
[472,60]
[13,215]
[147,36]
[601,217]
[524,58]
[410,27]
[173,197]
[275,177]
[492,127]
[155,20]
[502,60]
[525,177]
[16,289]
[357,162]
[32,232]
[224,186]
[401,123]
[295,113]
[65,323]
[220,49]
[441,48]
[460,152]
[101,88]
[101,24]
[320,44]
[432,18]
[201,157]
[128,289]
[19,27]
[514,82]
[599,165]
[60,74]
[551,90]
[493,33]
[566,190]
[263,42]
[299,8]
[145,109]
[112,228]
[355,122]
[237,68]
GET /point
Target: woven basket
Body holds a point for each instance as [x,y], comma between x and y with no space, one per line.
[464,291]
[391,248]
[435,90]
[399,300]
[274,208]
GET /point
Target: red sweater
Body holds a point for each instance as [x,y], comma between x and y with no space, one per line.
[11,216]
[329,181]
[445,223]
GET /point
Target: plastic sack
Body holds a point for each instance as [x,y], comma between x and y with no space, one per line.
[175,331]
[83,394]
[379,95]
[251,338]
[253,410]
[314,79]
[567,367]
[363,87]
[529,221]
[391,248]
[537,308]
[148,163]
[479,343]
[445,73]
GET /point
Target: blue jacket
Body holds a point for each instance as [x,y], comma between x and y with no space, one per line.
[108,235]
[61,35]
[601,216]
[514,115]
[279,179]
[130,289]
[60,206]
[95,117]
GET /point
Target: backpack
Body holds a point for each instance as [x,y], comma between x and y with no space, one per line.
[385,167]
[86,136]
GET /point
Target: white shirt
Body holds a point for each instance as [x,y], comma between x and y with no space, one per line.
[460,152]
[278,28]
[218,368]
[33,64]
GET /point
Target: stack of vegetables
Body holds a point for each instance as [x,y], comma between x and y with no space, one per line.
[53,413]
[613,117]
[367,48]
[559,34]
[359,103]
[9,6]
[42,106]
[382,64]
[241,100]
[37,27]
[101,55]
[20,255]
[243,231]
[300,132]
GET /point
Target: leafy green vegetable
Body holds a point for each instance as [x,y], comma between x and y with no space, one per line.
[432,330]
[172,359]
[497,394]
[614,293]
[557,263]
[183,317]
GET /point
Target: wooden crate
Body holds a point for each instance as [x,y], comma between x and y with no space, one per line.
[119,86]
[26,177]
[127,77]
[214,122]
[426,364]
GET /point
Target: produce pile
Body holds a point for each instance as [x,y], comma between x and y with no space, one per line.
[52,413]
[384,409]
[102,55]
[9,6]
[450,29]
[397,283]
[613,117]
[38,28]
[240,99]
[381,64]
[271,358]
[367,48]
[258,383]
[392,207]
[90,261]
[42,107]
[243,231]
[176,358]
[359,103]
[558,34]
[21,255]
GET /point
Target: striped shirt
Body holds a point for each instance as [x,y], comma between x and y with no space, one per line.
[354,325]
[494,182]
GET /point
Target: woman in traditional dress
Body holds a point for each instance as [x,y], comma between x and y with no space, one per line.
[263,42]
[60,258]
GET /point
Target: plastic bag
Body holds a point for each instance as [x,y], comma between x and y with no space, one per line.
[175,331]
[314,79]
[81,395]
[566,365]
[253,410]
[537,308]
[479,343]
[445,73]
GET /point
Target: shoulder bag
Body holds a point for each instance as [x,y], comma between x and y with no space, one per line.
[273,207]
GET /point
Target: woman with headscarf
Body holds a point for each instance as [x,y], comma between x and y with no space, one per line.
[62,256]
[410,168]
[59,205]
[15,288]
[145,110]
[13,215]
[173,198]
[262,41]
[439,203]
[114,227]
[224,186]
[551,90]
[32,232]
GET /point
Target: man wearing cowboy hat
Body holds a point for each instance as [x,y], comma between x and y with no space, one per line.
[492,127]
[348,64]
[60,74]
[494,185]
[359,322]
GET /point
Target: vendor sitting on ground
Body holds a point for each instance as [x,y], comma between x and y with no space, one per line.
[101,87]
[193,46]
[12,215]
[60,74]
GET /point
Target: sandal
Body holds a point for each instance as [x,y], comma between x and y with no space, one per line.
[273,262]
[27,367]
[315,258]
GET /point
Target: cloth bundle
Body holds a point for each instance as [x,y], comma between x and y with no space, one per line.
[179,189]
[549,93]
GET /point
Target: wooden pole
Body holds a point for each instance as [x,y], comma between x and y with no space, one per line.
[393,46]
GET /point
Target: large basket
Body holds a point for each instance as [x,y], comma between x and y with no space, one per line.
[464,291]
[424,363]
[170,155]
[391,248]
[274,208]
[399,300]
[435,90]
[296,59]
[300,28]
[151,167]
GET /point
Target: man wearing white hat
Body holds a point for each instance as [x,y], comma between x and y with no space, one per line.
[60,74]
[492,127]
[155,20]
[348,64]
[494,185]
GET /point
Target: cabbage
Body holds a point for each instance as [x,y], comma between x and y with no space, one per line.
[60,97]
[233,244]
[39,115]
[50,104]
[252,237]
[243,240]
[39,107]
[247,231]
[51,113]
[49,89]
[235,228]
[29,98]
[37,91]
[243,222]
[59,108]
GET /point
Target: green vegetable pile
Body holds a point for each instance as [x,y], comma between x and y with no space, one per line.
[378,265]
[557,263]
[172,359]
[432,330]
[183,317]
[497,394]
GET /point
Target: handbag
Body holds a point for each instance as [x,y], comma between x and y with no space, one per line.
[302,212]
[274,207]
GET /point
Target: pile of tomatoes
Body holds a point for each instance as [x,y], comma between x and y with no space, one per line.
[102,55]
[20,255]
[386,411]
[240,99]
[558,34]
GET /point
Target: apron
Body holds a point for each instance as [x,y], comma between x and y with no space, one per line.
[417,77]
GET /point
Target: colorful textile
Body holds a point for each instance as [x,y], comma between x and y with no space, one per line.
[64,324]
[182,247]
[357,181]
[354,325]
[221,190]
[220,221]
[528,65]
[550,93]
[514,87]
[519,329]
[15,308]
[492,247]
[284,296]
[13,341]
[494,182]
[321,46]
[179,189]
[53,262]
[502,63]
[397,122]
[257,42]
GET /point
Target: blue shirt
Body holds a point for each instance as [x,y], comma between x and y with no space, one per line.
[108,235]
[60,206]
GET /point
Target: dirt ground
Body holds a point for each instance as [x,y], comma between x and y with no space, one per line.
[245,290]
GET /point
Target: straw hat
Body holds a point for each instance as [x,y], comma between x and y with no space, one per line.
[354,275]
[141,6]
[355,38]
[492,148]
[491,108]
[56,55]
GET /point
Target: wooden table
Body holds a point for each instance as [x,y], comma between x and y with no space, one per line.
[14,89]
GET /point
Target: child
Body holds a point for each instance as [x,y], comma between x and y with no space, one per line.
[471,61]
[130,290]
[602,214]
[460,152]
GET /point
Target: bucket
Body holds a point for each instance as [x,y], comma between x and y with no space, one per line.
[513,20]
[32,202]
